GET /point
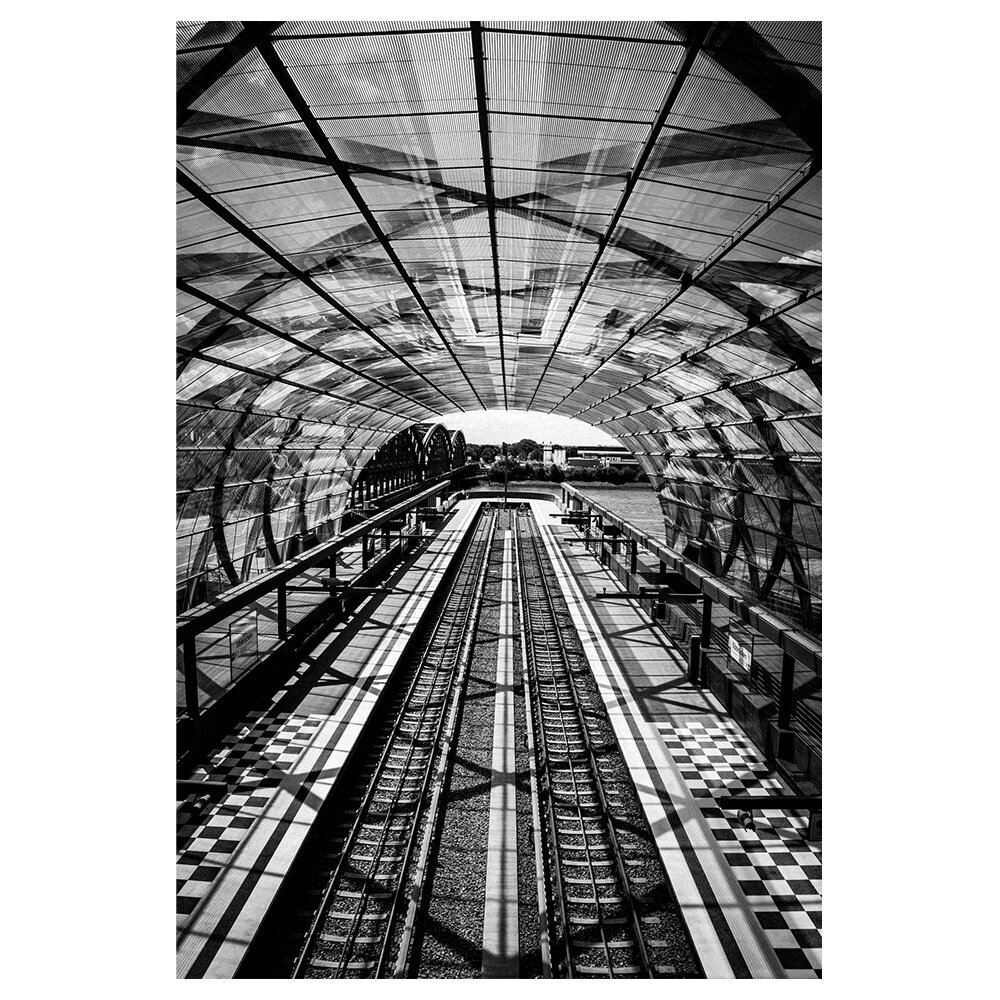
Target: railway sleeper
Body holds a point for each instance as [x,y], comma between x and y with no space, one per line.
[352,894]
[365,842]
[362,965]
[397,809]
[382,859]
[352,915]
[603,972]
[344,938]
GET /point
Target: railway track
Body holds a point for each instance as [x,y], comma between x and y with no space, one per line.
[611,915]
[396,880]
[365,921]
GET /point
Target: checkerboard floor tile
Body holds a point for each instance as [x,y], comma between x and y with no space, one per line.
[779,872]
[252,762]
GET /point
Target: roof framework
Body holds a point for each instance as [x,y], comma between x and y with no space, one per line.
[383,222]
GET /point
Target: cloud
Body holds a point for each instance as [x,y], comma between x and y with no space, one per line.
[813,255]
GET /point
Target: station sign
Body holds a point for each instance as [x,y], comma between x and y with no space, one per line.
[815,833]
[243,647]
[741,649]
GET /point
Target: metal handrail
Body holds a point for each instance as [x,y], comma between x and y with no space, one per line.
[196,620]
[802,647]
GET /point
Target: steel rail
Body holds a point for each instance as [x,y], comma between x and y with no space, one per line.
[534,790]
[558,647]
[533,694]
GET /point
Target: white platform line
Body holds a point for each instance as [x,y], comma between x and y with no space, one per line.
[500,931]
[622,710]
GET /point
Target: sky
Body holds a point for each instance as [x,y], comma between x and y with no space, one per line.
[497,426]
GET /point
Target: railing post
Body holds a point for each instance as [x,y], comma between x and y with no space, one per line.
[706,623]
[634,556]
[282,612]
[786,702]
[694,660]
[191,706]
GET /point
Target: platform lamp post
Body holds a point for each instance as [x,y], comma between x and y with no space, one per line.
[506,473]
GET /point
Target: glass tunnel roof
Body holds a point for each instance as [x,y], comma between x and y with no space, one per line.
[380,223]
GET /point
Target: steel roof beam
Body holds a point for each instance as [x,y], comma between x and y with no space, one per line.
[688,280]
[209,201]
[761,68]
[302,109]
[686,356]
[479,69]
[692,46]
[225,363]
[211,300]
[797,367]
[272,414]
[702,484]
[220,64]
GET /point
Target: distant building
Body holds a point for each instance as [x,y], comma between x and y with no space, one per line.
[553,455]
[617,458]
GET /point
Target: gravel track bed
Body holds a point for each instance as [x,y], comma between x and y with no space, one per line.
[452,931]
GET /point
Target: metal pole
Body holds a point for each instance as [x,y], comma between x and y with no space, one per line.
[282,612]
[694,660]
[786,702]
[191,682]
[505,474]
[706,623]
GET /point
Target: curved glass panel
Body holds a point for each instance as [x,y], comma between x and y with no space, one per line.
[615,221]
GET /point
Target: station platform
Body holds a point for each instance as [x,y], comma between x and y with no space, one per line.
[283,761]
[752,900]
[216,672]
[761,683]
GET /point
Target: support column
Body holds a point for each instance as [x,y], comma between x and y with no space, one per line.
[694,661]
[190,661]
[786,700]
[282,612]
